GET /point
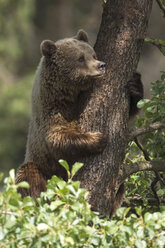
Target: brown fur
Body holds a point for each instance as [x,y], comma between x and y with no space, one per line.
[135,88]
[30,173]
[118,199]
[67,69]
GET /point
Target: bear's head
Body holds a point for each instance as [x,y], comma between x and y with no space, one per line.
[71,62]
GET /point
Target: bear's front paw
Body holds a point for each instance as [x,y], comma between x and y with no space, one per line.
[135,86]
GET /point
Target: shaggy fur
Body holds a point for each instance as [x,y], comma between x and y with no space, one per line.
[67,69]
[135,87]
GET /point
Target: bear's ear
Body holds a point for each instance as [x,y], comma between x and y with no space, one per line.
[82,35]
[47,47]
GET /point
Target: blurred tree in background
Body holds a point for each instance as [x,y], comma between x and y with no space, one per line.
[14,118]
[16,31]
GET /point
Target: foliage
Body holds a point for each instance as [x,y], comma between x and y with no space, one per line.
[15,30]
[154,110]
[139,184]
[158,43]
[14,112]
[68,221]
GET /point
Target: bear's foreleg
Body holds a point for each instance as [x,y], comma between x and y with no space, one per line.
[72,143]
[118,199]
[30,173]
[135,88]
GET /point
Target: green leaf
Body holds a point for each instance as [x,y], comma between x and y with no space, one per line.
[56,204]
[150,109]
[76,167]
[23,185]
[142,102]
[10,222]
[12,174]
[42,227]
[140,244]
[28,202]
[2,235]
[162,42]
[56,182]
[95,241]
[148,217]
[147,40]
[64,164]
[61,184]
[70,241]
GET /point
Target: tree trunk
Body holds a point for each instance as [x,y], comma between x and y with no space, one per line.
[119,44]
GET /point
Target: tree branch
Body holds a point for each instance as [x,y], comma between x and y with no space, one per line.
[158,43]
[145,153]
[134,201]
[128,170]
[162,6]
[142,130]
[159,46]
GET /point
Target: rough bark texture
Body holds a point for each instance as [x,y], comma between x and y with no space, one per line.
[119,44]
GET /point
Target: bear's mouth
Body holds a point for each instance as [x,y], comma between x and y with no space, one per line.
[99,75]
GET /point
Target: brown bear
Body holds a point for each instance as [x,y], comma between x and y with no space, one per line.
[67,68]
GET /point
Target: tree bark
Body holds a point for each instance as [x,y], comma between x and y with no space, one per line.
[119,43]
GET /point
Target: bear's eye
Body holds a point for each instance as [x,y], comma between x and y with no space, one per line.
[81,58]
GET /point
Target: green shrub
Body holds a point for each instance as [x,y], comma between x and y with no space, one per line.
[139,184]
[154,111]
[68,221]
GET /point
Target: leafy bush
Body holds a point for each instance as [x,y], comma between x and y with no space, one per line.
[154,110]
[139,184]
[68,221]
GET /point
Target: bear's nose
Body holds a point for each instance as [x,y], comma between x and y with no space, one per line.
[101,66]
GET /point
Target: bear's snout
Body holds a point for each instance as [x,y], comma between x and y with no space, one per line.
[101,66]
